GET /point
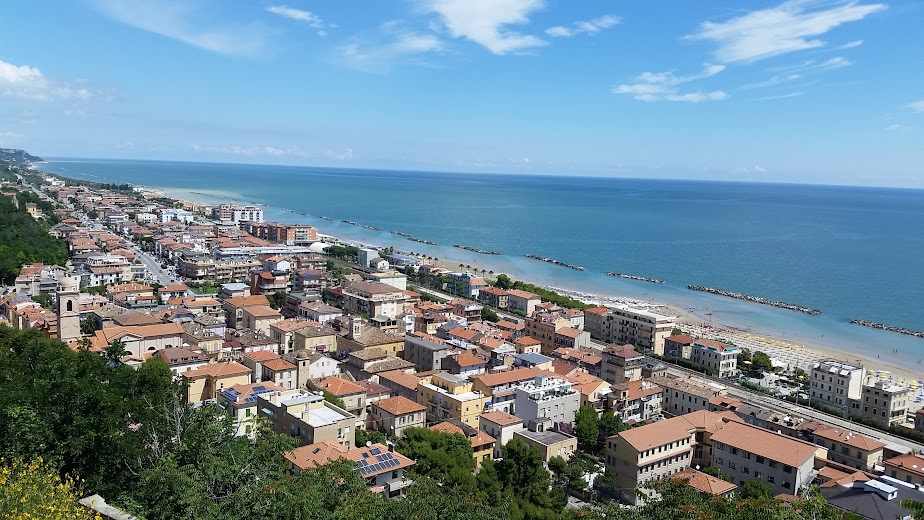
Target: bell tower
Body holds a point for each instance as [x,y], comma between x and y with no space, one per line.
[68,310]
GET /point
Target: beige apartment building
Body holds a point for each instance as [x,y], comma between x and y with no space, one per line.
[849,448]
[352,395]
[646,329]
[784,463]
[373,299]
[501,426]
[542,326]
[260,317]
[884,402]
[907,468]
[836,383]
[685,395]
[307,417]
[448,396]
[621,364]
[651,452]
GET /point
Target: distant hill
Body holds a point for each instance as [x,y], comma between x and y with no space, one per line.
[17,156]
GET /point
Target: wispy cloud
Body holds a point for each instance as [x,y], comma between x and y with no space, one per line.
[8,138]
[783,96]
[917,106]
[394,44]
[25,82]
[792,73]
[791,26]
[664,86]
[897,128]
[849,45]
[485,22]
[185,22]
[300,15]
[587,27]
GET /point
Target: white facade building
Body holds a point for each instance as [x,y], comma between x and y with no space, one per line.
[836,383]
[548,397]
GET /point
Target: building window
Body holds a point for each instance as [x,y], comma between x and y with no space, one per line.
[770,479]
[787,485]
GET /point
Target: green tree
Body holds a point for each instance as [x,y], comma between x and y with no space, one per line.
[717,473]
[333,399]
[587,427]
[489,315]
[756,489]
[115,351]
[610,424]
[363,436]
[45,300]
[522,471]
[87,326]
[277,299]
[503,282]
[761,361]
[444,457]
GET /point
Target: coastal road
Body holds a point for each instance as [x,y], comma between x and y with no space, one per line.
[769,403]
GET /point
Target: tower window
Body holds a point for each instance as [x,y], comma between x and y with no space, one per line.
[70,306]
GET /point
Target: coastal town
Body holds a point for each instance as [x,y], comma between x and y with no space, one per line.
[350,350]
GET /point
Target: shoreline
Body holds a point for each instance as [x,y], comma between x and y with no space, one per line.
[800,353]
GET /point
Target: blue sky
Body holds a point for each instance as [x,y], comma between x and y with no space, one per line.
[819,91]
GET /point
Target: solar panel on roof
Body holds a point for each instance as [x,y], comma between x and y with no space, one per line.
[386,456]
[259,389]
[375,451]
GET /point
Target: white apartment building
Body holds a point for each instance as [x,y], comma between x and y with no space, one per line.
[719,359]
[885,402]
[373,299]
[836,383]
[548,397]
[235,213]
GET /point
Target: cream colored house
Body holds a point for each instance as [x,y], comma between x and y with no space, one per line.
[394,415]
[205,383]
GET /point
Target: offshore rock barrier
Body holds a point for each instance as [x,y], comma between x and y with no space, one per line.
[476,250]
[350,222]
[556,262]
[755,299]
[414,239]
[373,228]
[890,328]
[633,277]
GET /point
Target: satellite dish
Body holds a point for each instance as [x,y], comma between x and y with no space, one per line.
[368,443]
[697,467]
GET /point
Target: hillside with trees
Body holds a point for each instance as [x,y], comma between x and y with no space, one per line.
[24,240]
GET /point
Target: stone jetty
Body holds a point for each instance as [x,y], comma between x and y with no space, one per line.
[634,277]
[556,262]
[413,238]
[476,250]
[755,299]
[890,328]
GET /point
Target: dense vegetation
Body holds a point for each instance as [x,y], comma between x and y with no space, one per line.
[24,240]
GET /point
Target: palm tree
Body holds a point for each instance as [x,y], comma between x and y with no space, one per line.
[490,273]
[115,351]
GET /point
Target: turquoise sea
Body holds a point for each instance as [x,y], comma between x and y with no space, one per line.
[851,252]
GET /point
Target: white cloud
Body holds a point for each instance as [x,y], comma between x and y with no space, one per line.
[664,86]
[917,106]
[897,128]
[484,21]
[300,15]
[25,82]
[790,26]
[394,44]
[181,21]
[588,26]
